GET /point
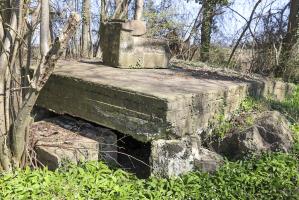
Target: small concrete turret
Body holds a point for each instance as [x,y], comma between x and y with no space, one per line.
[124,46]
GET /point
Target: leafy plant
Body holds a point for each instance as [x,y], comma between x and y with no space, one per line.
[223,127]
[270,176]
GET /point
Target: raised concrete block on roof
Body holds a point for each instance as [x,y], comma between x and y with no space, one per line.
[136,27]
[123,46]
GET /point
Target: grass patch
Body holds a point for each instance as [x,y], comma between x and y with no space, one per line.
[290,106]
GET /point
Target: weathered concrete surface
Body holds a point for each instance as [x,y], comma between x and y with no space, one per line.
[137,27]
[176,157]
[121,48]
[146,103]
[63,138]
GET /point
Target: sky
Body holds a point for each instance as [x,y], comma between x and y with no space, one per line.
[229,23]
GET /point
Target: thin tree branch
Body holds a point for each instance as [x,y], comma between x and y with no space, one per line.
[244,31]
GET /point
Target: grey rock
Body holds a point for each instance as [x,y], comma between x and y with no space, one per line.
[274,129]
[269,133]
[207,161]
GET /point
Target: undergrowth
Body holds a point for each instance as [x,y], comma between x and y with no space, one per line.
[271,176]
[251,107]
[290,106]
[241,119]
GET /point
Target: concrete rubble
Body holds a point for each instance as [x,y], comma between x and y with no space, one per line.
[176,157]
[65,139]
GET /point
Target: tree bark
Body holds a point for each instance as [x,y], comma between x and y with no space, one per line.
[85,50]
[10,35]
[44,28]
[103,18]
[1,30]
[121,9]
[290,44]
[139,10]
[206,29]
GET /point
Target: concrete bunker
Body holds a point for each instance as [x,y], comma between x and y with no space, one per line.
[161,110]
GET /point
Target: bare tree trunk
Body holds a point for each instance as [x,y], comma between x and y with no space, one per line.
[293,26]
[290,44]
[103,18]
[195,26]
[139,10]
[44,28]
[103,15]
[6,13]
[121,10]
[118,6]
[10,36]
[1,30]
[85,51]
[31,26]
[206,29]
[45,69]
[14,121]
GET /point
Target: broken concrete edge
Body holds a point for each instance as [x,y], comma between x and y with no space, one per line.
[267,88]
[171,158]
[150,122]
[272,88]
[137,27]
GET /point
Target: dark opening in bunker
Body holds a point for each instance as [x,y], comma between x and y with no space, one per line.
[134,156]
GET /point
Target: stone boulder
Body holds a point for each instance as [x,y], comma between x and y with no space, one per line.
[269,133]
[207,161]
[176,157]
